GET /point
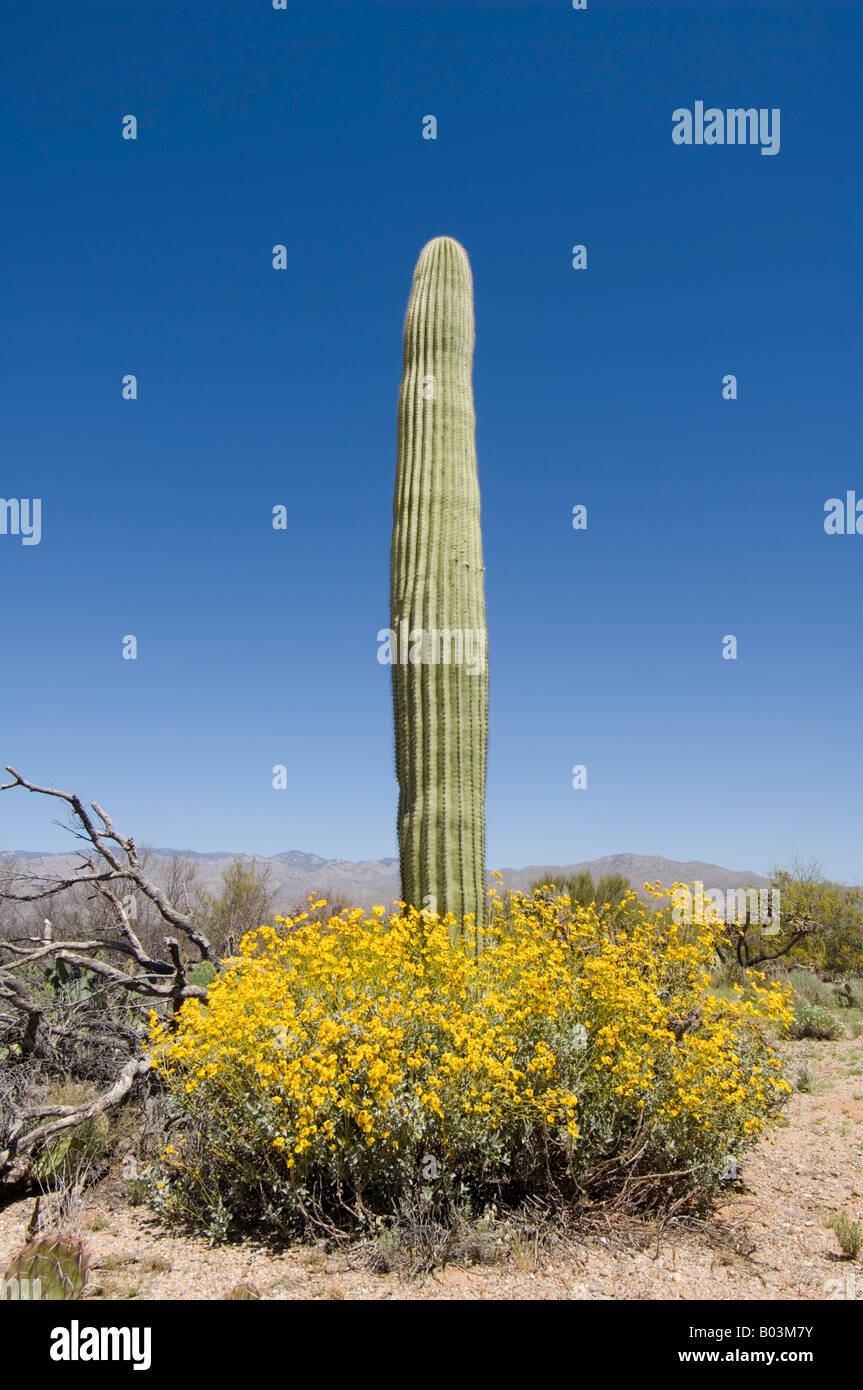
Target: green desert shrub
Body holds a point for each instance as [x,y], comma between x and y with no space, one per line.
[337,1070]
[203,974]
[856,987]
[849,1234]
[814,1021]
[806,985]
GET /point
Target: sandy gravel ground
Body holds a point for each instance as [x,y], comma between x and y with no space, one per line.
[768,1239]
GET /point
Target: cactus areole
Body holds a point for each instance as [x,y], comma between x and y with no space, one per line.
[439,667]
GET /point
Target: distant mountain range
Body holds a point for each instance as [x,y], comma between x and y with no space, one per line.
[295,874]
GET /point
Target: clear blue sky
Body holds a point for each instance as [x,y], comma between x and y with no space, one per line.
[258,387]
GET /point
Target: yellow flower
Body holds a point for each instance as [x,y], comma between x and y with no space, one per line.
[341,1046]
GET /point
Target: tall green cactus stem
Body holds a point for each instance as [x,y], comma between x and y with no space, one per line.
[441,706]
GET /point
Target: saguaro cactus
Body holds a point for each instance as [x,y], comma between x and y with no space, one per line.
[440,672]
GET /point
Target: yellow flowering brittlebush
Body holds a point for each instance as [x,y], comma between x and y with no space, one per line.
[338,1065]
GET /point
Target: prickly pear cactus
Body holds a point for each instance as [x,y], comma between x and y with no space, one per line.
[65,1155]
[51,1267]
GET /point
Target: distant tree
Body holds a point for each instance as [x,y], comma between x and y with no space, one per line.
[611,888]
[819,924]
[333,901]
[836,944]
[77,981]
[9,915]
[246,902]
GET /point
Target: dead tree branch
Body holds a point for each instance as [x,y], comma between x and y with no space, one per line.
[87,990]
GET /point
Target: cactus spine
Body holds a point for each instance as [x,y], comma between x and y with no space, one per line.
[53,1268]
[437,597]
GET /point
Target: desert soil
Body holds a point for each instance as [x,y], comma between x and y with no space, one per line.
[768,1238]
